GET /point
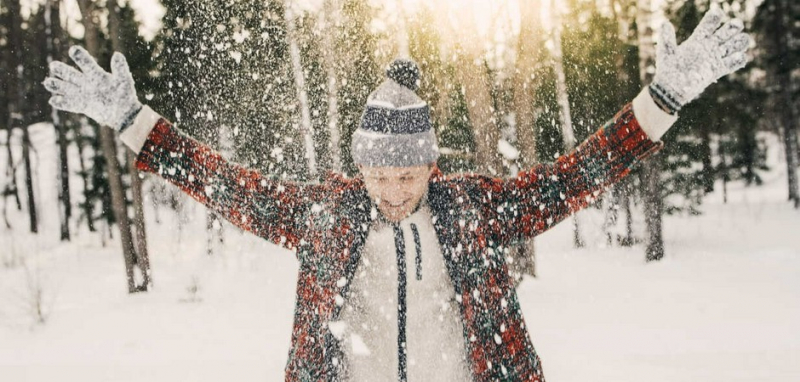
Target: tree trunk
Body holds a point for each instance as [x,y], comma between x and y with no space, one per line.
[17,112]
[26,157]
[88,208]
[403,49]
[55,35]
[562,97]
[709,173]
[651,170]
[473,74]
[788,120]
[215,231]
[300,86]
[621,192]
[528,57]
[329,17]
[142,254]
[11,188]
[118,199]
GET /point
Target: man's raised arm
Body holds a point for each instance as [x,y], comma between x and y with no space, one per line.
[541,197]
[266,207]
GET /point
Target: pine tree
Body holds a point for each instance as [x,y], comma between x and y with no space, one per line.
[779,56]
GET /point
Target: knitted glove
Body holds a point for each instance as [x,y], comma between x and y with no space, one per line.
[108,98]
[684,71]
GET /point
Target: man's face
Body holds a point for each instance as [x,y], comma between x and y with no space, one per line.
[396,190]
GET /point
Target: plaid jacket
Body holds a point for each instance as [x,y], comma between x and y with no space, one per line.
[476,218]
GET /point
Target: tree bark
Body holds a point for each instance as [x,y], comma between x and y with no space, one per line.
[306,128]
[473,74]
[10,187]
[788,120]
[54,37]
[329,17]
[651,169]
[142,254]
[109,147]
[621,192]
[529,55]
[215,229]
[565,114]
[403,48]
[88,208]
[18,112]
[528,58]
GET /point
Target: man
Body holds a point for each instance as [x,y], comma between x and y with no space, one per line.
[403,272]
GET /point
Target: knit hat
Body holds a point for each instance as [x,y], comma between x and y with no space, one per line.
[395,128]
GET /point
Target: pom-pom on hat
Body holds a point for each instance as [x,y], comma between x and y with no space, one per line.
[395,128]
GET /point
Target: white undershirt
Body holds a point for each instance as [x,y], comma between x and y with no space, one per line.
[368,328]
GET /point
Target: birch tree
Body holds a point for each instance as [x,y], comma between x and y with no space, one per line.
[562,98]
[329,18]
[300,86]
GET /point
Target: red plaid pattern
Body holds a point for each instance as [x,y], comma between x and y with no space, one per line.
[476,218]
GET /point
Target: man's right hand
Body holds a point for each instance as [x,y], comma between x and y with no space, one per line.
[108,98]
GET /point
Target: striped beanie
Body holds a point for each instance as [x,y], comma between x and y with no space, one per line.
[395,128]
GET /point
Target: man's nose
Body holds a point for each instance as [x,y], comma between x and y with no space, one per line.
[395,195]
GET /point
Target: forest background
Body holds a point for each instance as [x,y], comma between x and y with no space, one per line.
[280,86]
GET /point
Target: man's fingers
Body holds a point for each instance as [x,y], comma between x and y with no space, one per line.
[736,45]
[57,86]
[730,29]
[119,66]
[735,61]
[84,60]
[710,22]
[65,103]
[668,44]
[65,72]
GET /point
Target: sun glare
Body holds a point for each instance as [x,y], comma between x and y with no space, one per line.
[483,17]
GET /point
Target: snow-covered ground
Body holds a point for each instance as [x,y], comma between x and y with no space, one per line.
[724,305]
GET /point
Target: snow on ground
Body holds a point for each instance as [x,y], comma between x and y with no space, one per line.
[724,305]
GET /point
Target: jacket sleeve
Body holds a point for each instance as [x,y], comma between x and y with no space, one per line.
[272,209]
[541,197]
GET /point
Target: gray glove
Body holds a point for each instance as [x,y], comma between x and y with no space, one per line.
[684,71]
[108,98]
